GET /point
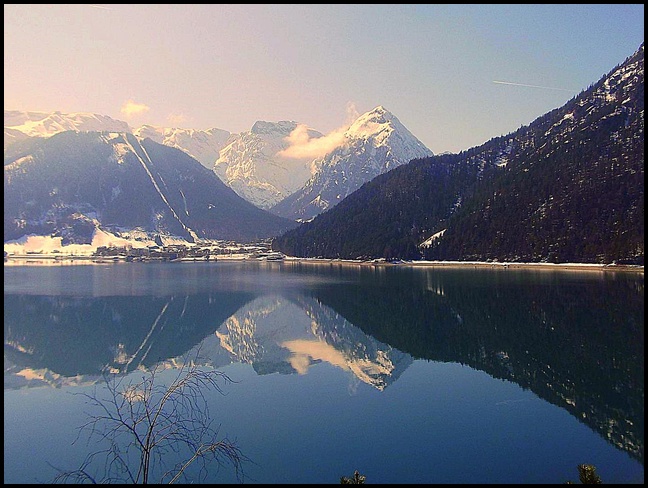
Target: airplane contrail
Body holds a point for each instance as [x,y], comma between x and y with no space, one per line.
[531,86]
[101,7]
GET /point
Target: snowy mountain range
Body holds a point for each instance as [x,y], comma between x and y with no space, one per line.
[22,125]
[203,145]
[253,163]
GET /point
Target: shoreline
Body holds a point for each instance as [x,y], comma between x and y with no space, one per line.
[48,260]
[482,264]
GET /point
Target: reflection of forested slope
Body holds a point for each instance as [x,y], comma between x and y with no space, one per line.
[72,336]
[578,346]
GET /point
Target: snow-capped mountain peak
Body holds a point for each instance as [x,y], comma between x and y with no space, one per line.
[251,165]
[283,127]
[376,142]
[380,125]
[43,124]
[202,145]
[20,125]
[372,122]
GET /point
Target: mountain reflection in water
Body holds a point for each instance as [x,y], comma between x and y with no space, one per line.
[575,340]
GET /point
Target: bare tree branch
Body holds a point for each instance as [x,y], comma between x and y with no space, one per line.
[143,421]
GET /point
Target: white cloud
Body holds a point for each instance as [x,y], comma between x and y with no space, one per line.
[303,146]
[131,108]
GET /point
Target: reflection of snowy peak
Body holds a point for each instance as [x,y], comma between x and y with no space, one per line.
[278,335]
[17,377]
[255,333]
[371,361]
[375,143]
[203,145]
[249,163]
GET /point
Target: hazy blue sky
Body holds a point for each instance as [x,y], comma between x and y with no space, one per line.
[227,66]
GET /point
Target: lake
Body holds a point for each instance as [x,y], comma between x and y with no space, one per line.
[407,374]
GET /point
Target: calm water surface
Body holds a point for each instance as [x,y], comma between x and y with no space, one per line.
[406,374]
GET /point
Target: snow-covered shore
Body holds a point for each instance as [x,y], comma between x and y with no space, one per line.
[49,250]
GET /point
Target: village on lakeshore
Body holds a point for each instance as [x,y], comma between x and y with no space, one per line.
[155,252]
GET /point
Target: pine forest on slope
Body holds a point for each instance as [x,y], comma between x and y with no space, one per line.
[566,188]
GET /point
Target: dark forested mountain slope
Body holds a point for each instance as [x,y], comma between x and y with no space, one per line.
[566,188]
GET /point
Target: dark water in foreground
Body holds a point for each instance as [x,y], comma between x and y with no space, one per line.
[408,375]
